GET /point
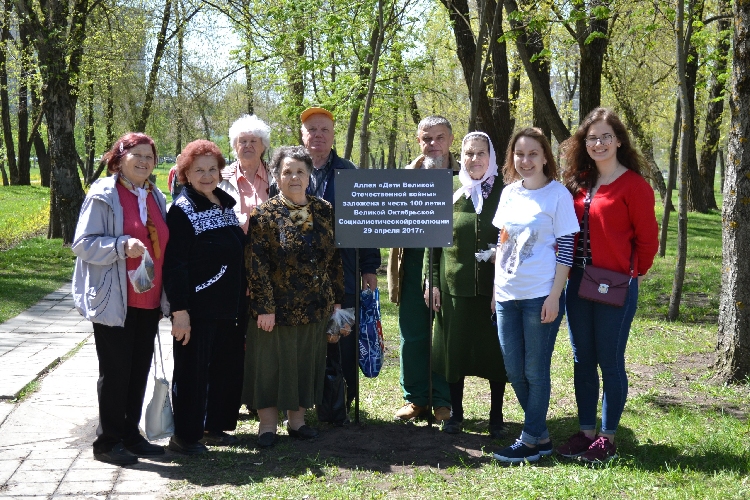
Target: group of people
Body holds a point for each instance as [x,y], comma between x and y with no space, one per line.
[521,244]
[245,265]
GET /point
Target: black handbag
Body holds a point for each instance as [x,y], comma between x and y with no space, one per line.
[599,284]
[333,407]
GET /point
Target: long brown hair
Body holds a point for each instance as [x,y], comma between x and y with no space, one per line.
[509,169]
[580,169]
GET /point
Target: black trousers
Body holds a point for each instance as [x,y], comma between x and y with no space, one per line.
[124,362]
[207,379]
[497,392]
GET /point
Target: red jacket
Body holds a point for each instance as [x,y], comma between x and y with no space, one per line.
[622,213]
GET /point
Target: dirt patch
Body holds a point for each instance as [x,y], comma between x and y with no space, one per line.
[672,383]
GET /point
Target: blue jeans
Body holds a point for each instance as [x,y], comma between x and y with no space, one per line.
[599,334]
[527,346]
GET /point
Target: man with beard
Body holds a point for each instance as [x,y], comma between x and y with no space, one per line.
[406,288]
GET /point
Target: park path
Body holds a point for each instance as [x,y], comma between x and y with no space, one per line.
[45,440]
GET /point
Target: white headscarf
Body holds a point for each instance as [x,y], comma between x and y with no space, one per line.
[473,187]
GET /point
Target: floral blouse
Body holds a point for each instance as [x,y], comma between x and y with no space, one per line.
[296,276]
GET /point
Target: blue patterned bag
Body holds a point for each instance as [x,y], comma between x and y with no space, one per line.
[371,347]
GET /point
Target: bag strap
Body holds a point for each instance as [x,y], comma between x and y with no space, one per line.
[161,356]
[586,206]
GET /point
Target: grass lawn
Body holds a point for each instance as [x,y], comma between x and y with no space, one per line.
[682,435]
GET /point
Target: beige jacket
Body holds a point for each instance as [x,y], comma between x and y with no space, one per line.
[395,256]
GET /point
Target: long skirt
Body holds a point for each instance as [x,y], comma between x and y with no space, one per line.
[465,341]
[284,368]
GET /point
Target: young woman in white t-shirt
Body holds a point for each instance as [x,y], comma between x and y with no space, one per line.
[537,225]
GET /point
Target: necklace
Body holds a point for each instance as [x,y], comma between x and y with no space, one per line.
[606,181]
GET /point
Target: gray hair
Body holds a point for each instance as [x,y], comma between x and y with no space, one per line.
[431,121]
[249,124]
[295,153]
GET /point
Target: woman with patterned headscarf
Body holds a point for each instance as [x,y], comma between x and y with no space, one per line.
[465,340]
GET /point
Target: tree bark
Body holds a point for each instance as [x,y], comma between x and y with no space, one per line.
[363,134]
[10,147]
[733,345]
[592,37]
[364,72]
[23,138]
[40,149]
[695,191]
[712,133]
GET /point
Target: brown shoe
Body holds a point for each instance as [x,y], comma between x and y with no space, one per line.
[410,411]
[442,413]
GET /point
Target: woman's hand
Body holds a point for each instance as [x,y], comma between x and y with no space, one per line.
[134,248]
[181,326]
[435,298]
[550,309]
[266,322]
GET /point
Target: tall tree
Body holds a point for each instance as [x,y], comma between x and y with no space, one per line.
[58,29]
[733,346]
[683,32]
[715,112]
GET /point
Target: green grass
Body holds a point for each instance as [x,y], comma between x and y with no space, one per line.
[24,212]
[31,270]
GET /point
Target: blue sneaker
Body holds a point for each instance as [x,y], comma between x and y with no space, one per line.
[518,452]
[545,449]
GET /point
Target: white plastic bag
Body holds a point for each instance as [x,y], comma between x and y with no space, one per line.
[486,255]
[340,324]
[142,278]
[159,421]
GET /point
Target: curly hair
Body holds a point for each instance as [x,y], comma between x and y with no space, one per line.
[509,168]
[580,169]
[120,148]
[295,153]
[201,147]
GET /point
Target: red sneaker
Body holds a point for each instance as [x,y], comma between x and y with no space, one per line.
[576,446]
[601,451]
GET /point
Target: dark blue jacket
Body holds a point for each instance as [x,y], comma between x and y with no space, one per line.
[369,258]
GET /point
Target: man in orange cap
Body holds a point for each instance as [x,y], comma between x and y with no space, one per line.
[317,136]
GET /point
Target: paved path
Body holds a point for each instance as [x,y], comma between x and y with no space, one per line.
[45,441]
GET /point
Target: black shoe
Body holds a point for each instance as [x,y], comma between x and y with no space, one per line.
[267,439]
[145,449]
[498,430]
[451,426]
[304,432]
[219,438]
[181,446]
[118,455]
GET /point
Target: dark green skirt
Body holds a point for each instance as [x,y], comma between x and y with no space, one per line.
[465,342]
[284,368]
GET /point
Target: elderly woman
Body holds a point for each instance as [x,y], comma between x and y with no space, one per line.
[247,178]
[296,281]
[205,282]
[465,340]
[122,217]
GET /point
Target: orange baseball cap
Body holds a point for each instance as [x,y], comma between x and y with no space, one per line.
[315,111]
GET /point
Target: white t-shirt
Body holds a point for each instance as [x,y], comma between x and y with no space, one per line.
[530,221]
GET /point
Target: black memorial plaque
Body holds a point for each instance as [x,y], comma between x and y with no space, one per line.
[394,208]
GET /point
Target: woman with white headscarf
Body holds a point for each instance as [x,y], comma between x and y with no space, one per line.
[465,339]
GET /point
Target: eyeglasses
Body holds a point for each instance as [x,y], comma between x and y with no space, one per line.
[604,139]
[146,158]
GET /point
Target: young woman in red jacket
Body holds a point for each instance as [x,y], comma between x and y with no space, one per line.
[604,170]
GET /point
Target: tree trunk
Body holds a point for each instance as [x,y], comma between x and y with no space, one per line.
[683,40]
[695,191]
[722,169]
[10,147]
[733,346]
[180,111]
[40,149]
[89,135]
[592,45]
[24,140]
[671,180]
[4,174]
[153,75]
[712,133]
[364,146]
[392,135]
[493,117]
[59,43]
[364,73]
[539,84]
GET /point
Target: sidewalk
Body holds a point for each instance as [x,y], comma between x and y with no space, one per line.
[45,441]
